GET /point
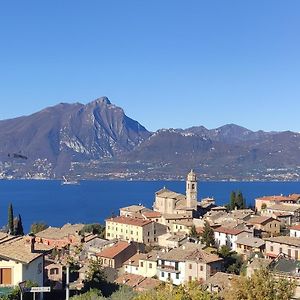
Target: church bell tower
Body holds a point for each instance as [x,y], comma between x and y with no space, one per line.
[191,190]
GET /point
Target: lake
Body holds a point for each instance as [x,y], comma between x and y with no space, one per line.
[93,201]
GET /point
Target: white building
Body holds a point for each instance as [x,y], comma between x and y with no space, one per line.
[187,263]
[295,231]
[228,236]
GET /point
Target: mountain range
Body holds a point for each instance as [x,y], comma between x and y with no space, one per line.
[98,141]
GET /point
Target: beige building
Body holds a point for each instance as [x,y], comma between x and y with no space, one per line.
[20,260]
[144,264]
[263,225]
[169,202]
[267,201]
[114,256]
[134,229]
[287,245]
[249,245]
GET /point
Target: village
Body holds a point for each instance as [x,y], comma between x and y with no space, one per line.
[179,240]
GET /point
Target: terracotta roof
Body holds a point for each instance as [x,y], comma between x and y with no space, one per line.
[129,221]
[227,230]
[251,242]
[17,250]
[276,198]
[190,252]
[295,196]
[138,282]
[295,227]
[287,240]
[113,251]
[152,214]
[261,220]
[222,280]
[134,260]
[133,208]
[60,233]
[285,207]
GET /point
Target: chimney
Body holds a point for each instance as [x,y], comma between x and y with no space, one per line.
[29,243]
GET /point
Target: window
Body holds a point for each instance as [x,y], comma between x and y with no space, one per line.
[280,250]
[190,278]
[176,265]
[296,254]
[150,265]
[177,275]
[148,233]
[108,234]
[54,271]
[5,276]
[289,252]
[190,266]
[142,264]
[169,276]
[271,248]
[162,274]
[201,268]
[193,186]
[131,232]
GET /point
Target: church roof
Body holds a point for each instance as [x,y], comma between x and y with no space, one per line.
[165,193]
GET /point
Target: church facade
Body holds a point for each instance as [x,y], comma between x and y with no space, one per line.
[172,203]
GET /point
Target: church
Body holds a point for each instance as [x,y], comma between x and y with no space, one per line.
[171,203]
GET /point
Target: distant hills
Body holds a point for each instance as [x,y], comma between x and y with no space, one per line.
[98,141]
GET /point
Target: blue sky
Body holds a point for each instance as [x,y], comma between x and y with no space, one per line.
[167,63]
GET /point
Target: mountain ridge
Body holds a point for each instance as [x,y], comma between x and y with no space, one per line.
[98,140]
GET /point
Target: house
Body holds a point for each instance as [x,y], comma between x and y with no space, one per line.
[54,273]
[187,263]
[249,245]
[169,202]
[220,282]
[295,231]
[114,256]
[94,246]
[184,226]
[263,225]
[287,213]
[172,240]
[20,260]
[62,237]
[267,201]
[257,263]
[133,211]
[284,267]
[144,264]
[138,282]
[287,245]
[133,229]
[228,236]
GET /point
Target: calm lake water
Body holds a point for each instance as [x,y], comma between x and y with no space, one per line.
[93,201]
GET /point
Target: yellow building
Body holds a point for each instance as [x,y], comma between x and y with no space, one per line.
[133,229]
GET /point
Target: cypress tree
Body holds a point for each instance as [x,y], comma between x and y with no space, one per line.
[19,227]
[193,232]
[232,203]
[240,202]
[208,237]
[10,223]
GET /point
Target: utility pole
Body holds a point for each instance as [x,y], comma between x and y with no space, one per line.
[67,282]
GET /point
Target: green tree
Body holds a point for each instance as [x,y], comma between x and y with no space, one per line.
[193,232]
[233,262]
[208,237]
[240,201]
[261,286]
[190,291]
[94,228]
[37,227]
[232,200]
[19,226]
[10,222]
